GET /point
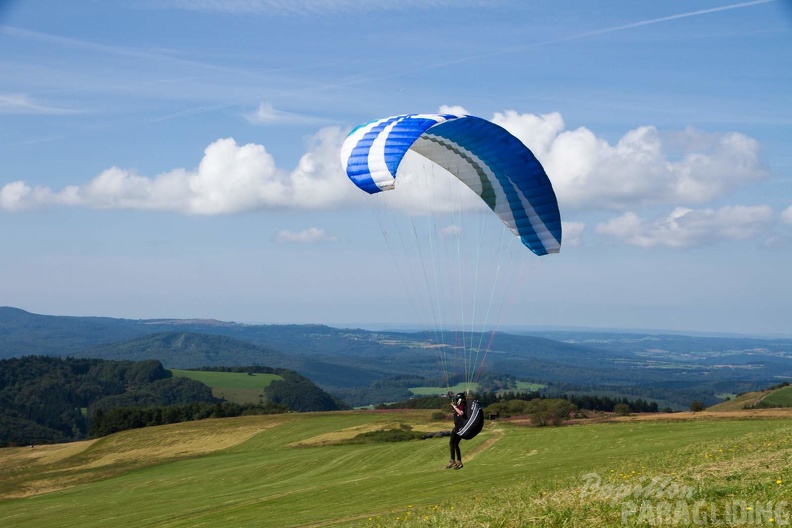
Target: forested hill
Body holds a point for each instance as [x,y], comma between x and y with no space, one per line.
[46,399]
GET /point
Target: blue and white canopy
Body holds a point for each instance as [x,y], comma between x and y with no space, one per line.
[494,164]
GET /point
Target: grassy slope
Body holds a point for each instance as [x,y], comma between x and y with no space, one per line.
[238,387]
[738,403]
[781,397]
[283,470]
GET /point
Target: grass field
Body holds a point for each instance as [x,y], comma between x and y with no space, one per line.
[779,398]
[294,470]
[237,387]
[522,386]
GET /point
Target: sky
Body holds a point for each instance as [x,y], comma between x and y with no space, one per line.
[180,158]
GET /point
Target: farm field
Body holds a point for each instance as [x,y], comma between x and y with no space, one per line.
[237,387]
[295,470]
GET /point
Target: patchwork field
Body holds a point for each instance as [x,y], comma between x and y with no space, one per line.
[303,470]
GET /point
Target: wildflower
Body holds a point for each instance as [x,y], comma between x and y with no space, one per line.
[778,481]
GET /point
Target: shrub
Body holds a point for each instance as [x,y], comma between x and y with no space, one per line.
[403,434]
[439,415]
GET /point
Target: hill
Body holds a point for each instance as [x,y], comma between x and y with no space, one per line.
[775,397]
[309,470]
[365,367]
[740,402]
[48,399]
[781,397]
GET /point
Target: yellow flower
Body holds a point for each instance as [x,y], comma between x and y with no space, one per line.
[778,481]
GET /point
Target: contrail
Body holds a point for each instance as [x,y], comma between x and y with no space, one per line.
[592,33]
[654,21]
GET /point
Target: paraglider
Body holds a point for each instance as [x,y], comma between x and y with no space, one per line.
[494,164]
[455,289]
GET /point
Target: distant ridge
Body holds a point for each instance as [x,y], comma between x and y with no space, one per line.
[355,364]
[189,350]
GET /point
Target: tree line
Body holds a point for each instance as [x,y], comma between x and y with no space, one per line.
[513,402]
[125,418]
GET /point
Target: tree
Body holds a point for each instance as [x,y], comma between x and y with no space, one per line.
[551,411]
[622,409]
[697,406]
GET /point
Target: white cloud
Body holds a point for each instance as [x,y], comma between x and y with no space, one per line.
[446,109]
[230,178]
[572,233]
[684,227]
[786,215]
[18,196]
[587,172]
[590,174]
[266,114]
[311,235]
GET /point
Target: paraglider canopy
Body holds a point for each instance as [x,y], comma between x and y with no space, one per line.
[494,164]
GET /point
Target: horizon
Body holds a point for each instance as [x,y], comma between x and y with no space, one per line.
[413,328]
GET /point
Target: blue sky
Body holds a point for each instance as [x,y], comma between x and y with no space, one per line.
[180,158]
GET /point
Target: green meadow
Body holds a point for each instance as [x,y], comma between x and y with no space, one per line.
[522,386]
[308,470]
[779,398]
[237,387]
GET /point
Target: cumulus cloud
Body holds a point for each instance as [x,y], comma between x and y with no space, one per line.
[451,109]
[684,228]
[572,233]
[786,215]
[311,235]
[229,178]
[642,168]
